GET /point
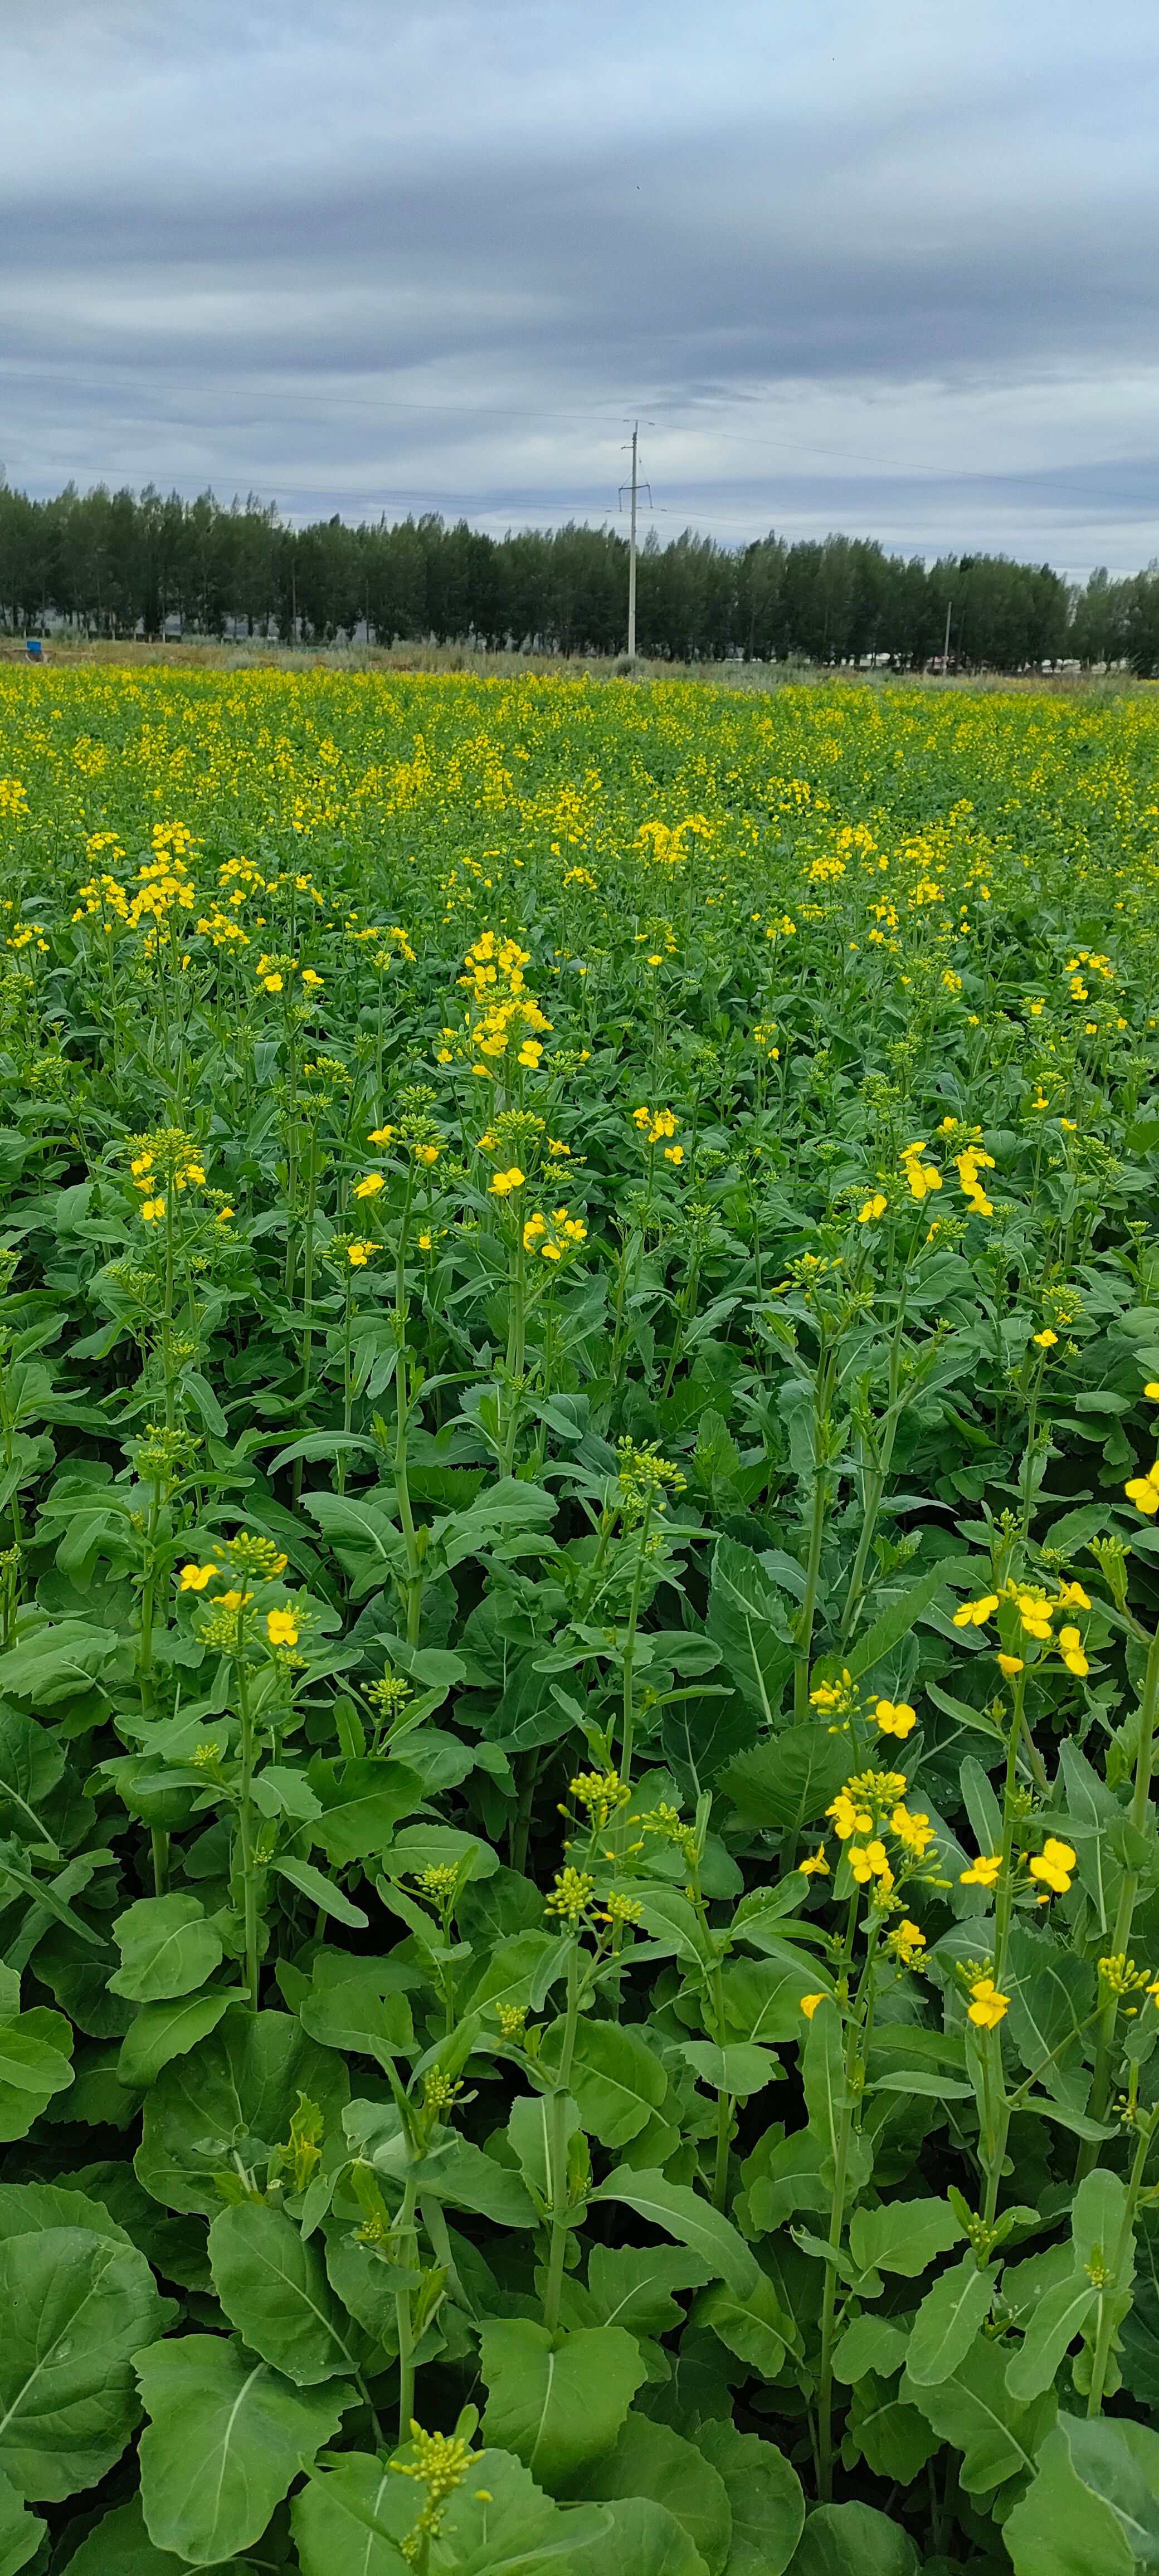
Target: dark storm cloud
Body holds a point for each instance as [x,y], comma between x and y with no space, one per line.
[878,269]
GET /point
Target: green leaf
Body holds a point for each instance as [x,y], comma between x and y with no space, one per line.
[764,2491]
[997,2437]
[753,2327]
[949,2320]
[120,2546]
[359,2005]
[345,2516]
[790,1779]
[684,2214]
[56,1662]
[463,2176]
[75,2307]
[903,2235]
[739,2069]
[167,1948]
[225,2437]
[895,1623]
[823,2076]
[644,2536]
[617,2080]
[500,2523]
[362,1802]
[34,2064]
[1091,2509]
[274,2289]
[651,2460]
[420,1847]
[21,2532]
[556,2402]
[854,2540]
[1052,1996]
[238,2089]
[1059,2316]
[167,2030]
[762,1997]
[633,2285]
[747,1618]
[321,1891]
[870,2343]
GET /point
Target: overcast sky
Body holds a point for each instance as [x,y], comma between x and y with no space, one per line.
[880,265]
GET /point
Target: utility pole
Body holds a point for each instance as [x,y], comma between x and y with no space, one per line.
[632,551]
[946,645]
[634,487]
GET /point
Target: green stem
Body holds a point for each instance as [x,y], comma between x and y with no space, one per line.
[1106,2324]
[402,2314]
[1128,1895]
[246,1826]
[559,2219]
[629,1714]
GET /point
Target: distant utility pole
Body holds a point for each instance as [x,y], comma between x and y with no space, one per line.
[632,550]
[634,488]
[946,645]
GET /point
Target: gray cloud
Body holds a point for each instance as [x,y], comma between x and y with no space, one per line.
[866,265]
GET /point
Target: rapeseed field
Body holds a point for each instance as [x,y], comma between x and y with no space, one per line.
[579,1627]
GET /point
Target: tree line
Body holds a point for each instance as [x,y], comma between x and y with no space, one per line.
[120,564]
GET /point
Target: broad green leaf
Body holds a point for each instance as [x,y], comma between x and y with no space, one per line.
[362,1802]
[754,2327]
[764,2492]
[500,2523]
[28,2208]
[349,2519]
[75,2307]
[556,2402]
[1052,1996]
[273,2288]
[167,1946]
[34,2064]
[531,2131]
[320,1891]
[1097,2216]
[644,2536]
[56,1662]
[895,1623]
[21,2532]
[460,2174]
[225,2437]
[903,2235]
[738,2069]
[120,2546]
[854,2540]
[651,2460]
[167,2030]
[748,1619]
[1087,2510]
[237,2090]
[617,2080]
[949,2320]
[634,2285]
[762,1997]
[790,1779]
[997,2438]
[684,2214]
[421,1847]
[870,2343]
[359,2005]
[1059,2316]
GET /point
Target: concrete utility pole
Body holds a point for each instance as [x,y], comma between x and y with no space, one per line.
[946,645]
[632,551]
